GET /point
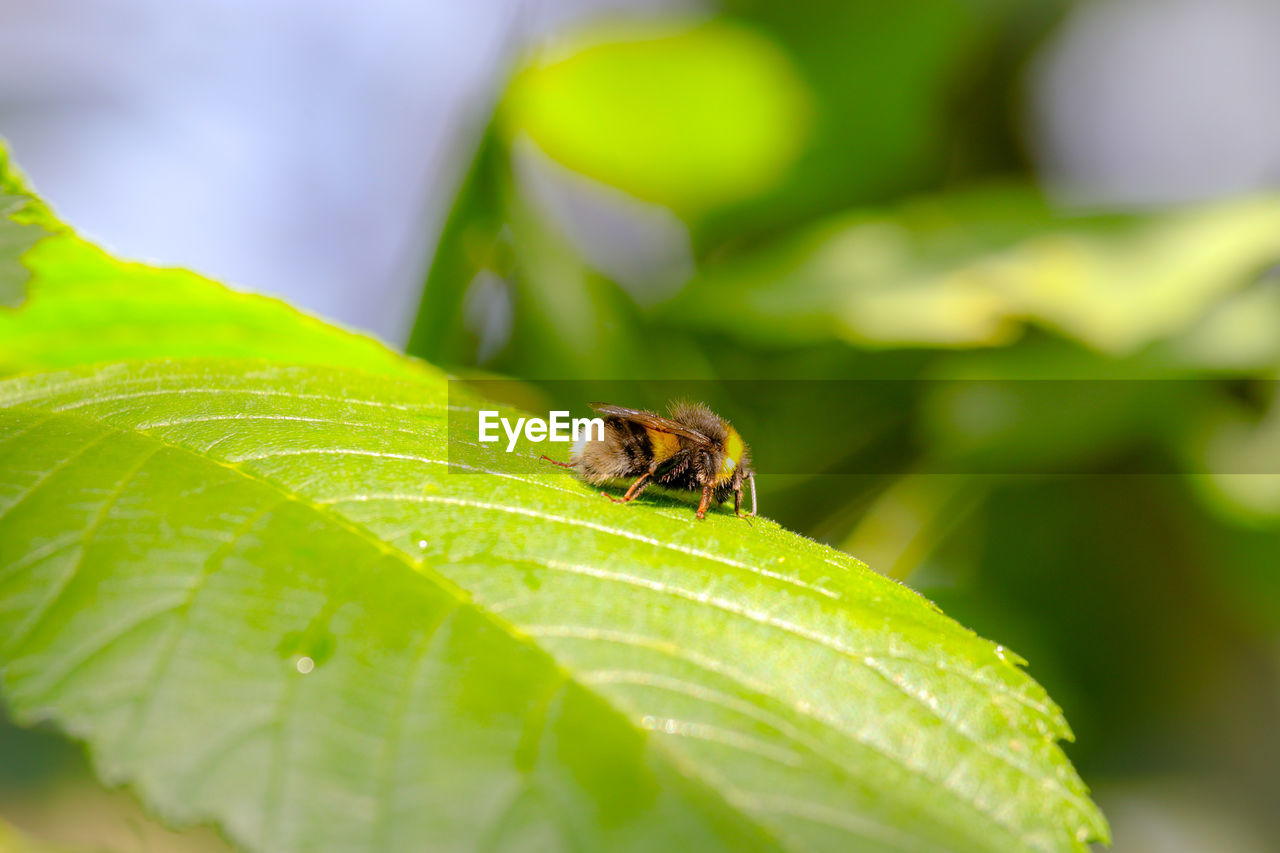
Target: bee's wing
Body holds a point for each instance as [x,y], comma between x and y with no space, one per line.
[651,421]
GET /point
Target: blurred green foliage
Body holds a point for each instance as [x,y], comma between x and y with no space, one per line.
[910,239]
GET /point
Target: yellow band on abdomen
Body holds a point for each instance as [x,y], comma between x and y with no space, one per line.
[665,445]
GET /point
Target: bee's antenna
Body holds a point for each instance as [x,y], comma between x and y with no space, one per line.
[752,479]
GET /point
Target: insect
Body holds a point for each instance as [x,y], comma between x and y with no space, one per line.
[694,449]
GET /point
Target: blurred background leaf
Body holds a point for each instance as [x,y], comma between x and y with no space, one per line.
[970,269]
[693,119]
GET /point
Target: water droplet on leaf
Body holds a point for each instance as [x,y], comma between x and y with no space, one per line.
[314,644]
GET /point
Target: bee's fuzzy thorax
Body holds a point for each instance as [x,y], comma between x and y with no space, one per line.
[698,417]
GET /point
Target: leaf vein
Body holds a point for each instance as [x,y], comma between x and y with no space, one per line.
[165,657]
[762,618]
[830,643]
[601,528]
[803,709]
[34,620]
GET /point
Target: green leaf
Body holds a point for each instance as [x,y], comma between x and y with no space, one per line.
[84,306]
[264,599]
[24,221]
[692,118]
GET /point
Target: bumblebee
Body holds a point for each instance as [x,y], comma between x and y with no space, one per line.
[693,450]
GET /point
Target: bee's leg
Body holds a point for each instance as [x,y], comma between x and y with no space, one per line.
[737,504]
[632,493]
[666,466]
[557,462]
[706,500]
